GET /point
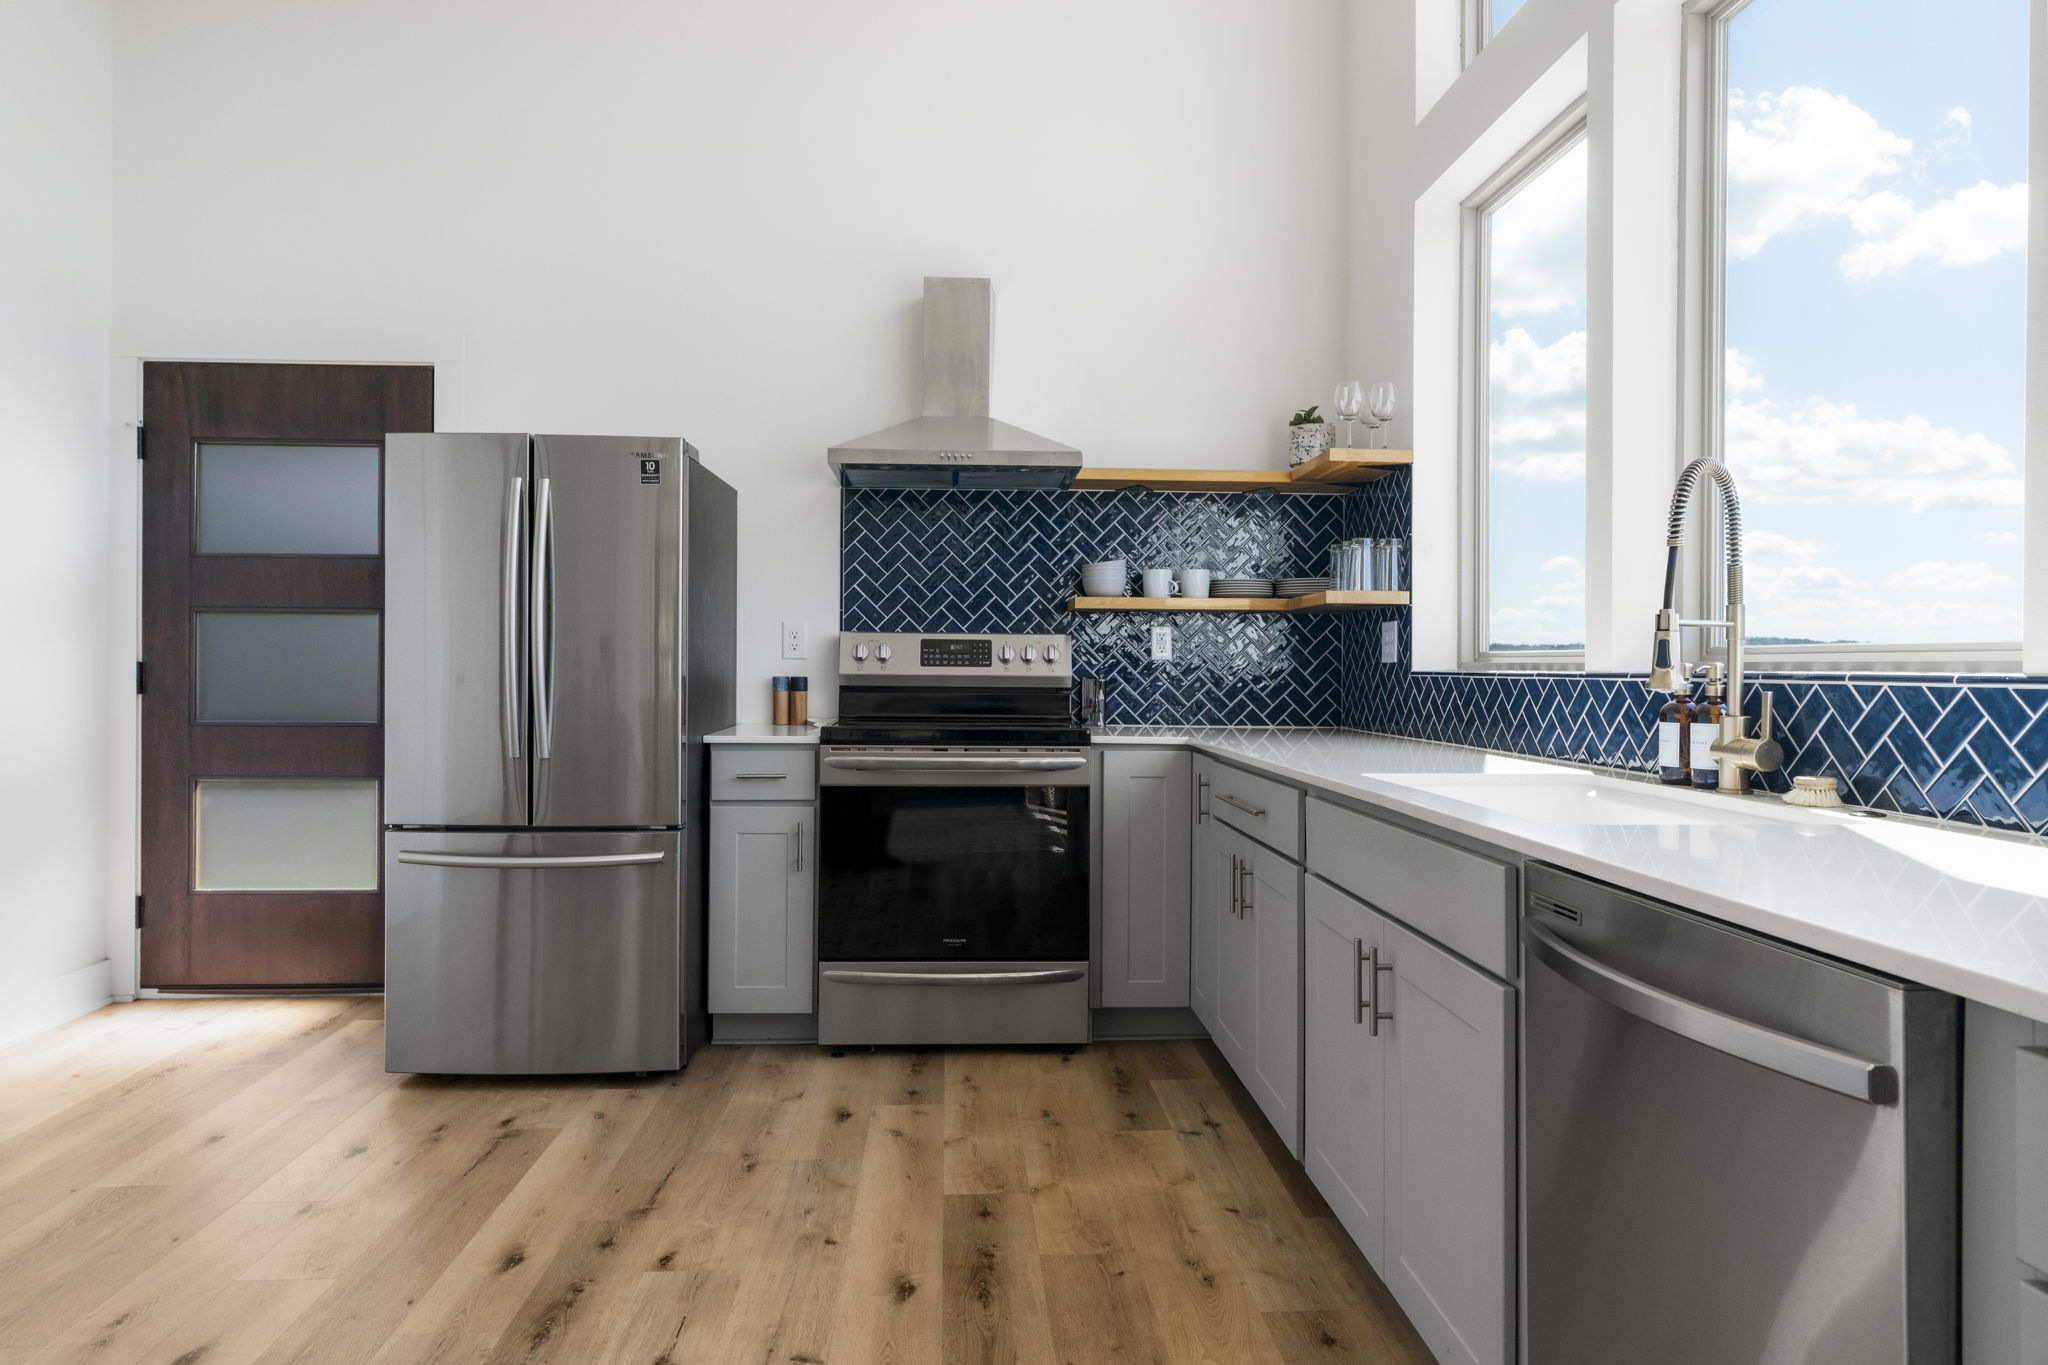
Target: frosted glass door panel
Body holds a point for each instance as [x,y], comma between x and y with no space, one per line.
[288,500]
[288,667]
[299,835]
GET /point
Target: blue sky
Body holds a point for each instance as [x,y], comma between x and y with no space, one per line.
[1875,319]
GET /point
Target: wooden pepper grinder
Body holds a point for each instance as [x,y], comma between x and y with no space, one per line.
[781,712]
[799,701]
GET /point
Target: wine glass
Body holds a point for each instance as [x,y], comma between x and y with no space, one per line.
[1385,402]
[1349,402]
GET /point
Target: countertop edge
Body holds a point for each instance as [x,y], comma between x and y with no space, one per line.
[1958,980]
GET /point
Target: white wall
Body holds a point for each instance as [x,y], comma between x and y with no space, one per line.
[55,156]
[712,218]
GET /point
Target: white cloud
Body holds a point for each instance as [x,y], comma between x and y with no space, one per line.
[1821,602]
[1816,451]
[1739,373]
[1998,538]
[1970,226]
[1770,547]
[1805,157]
[1536,243]
[1565,564]
[1796,158]
[1945,576]
[1538,406]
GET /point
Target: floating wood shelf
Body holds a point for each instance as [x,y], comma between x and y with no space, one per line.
[1333,471]
[1315,601]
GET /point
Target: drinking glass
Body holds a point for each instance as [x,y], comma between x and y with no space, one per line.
[1349,402]
[1385,401]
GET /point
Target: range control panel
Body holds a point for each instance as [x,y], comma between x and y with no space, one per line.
[990,660]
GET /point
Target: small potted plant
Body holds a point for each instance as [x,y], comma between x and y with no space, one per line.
[1308,436]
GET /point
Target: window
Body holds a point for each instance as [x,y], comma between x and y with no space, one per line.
[1526,404]
[1868,377]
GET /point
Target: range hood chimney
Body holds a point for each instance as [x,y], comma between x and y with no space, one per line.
[955,444]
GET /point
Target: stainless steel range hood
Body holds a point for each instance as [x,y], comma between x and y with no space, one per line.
[955,444]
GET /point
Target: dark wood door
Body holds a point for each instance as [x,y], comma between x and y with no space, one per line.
[262,639]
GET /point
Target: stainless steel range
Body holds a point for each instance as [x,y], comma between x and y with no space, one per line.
[954,896]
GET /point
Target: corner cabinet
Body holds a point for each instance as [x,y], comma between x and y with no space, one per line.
[763,882]
[1145,877]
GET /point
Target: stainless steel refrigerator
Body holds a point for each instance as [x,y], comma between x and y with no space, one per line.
[558,637]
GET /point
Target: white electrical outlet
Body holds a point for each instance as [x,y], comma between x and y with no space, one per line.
[796,640]
[1390,642]
[1162,643]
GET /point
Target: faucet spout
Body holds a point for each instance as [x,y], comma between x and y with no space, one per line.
[1667,667]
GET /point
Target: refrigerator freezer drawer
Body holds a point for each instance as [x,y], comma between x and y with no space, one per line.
[513,954]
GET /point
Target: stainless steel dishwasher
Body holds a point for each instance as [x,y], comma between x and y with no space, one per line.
[1735,1152]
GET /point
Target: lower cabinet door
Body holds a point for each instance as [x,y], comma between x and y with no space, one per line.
[1343,1093]
[1235,1029]
[761,940]
[1272,914]
[1450,1123]
[1145,870]
[1211,907]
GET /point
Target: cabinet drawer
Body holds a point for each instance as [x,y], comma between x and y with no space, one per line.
[1269,811]
[1463,901]
[784,772]
[2030,1122]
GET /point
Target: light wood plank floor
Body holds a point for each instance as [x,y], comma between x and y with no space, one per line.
[222,1182]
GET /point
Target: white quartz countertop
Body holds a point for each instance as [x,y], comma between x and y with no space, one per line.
[1962,912]
[756,733]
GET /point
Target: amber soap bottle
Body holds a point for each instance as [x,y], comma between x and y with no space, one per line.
[1674,740]
[1706,728]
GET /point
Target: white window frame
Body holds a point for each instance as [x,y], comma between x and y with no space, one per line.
[1709,595]
[1560,136]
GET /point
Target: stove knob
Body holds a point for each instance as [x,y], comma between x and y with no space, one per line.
[860,654]
[1029,654]
[1006,654]
[1052,654]
[883,652]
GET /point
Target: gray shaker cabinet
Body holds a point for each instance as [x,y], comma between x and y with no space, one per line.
[1344,1087]
[761,951]
[1258,981]
[1450,1078]
[1146,872]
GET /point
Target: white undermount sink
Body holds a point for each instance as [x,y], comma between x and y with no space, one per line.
[1582,799]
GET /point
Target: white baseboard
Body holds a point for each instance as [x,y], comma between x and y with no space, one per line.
[30,1010]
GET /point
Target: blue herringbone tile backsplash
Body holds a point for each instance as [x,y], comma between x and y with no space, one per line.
[1010,561]
[1973,749]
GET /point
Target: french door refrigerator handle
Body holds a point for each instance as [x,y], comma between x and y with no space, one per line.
[541,634]
[508,654]
[1845,1074]
[426,859]
[1036,978]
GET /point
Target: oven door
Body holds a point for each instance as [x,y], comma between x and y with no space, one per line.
[928,868]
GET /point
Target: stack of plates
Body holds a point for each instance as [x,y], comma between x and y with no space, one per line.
[1300,587]
[1240,587]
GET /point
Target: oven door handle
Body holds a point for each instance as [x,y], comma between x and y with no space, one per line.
[1037,978]
[905,763]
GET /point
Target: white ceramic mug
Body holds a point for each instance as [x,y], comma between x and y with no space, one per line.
[1194,582]
[1158,582]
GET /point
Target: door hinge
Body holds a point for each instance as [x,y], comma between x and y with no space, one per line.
[141,677]
[141,446]
[138,912]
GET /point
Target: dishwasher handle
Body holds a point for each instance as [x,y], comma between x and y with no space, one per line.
[1845,1074]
